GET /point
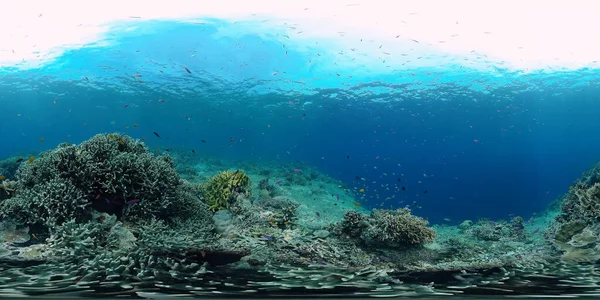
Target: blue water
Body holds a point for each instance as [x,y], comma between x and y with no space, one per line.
[464,143]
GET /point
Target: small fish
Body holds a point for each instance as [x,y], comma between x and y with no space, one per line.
[111,136]
[162,100]
[125,106]
[121,142]
[41,139]
[187,70]
[297,170]
[361,190]
[135,125]
[404,188]
[156,134]
[356,204]
[31,159]
[20,160]
[267,237]
[348,156]
[337,196]
[2,177]
[193,151]
[132,201]
[399,179]
[278,182]
[318,214]
[425,192]
[204,141]
[231,139]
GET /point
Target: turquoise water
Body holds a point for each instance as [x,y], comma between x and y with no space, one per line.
[249,158]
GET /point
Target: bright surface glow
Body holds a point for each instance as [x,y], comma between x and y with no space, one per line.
[515,34]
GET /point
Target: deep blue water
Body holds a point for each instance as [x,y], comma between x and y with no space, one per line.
[464,143]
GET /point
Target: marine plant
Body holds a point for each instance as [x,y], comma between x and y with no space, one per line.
[221,190]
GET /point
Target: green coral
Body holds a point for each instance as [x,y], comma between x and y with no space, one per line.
[221,190]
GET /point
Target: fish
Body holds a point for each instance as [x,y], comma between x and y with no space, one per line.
[20,160]
[41,139]
[187,70]
[111,136]
[318,214]
[361,190]
[135,125]
[231,139]
[348,156]
[125,106]
[404,188]
[132,201]
[356,204]
[121,142]
[297,170]
[193,151]
[267,237]
[31,159]
[204,141]
[156,134]
[399,179]
[2,177]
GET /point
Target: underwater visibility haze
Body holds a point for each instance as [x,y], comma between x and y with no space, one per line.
[339,149]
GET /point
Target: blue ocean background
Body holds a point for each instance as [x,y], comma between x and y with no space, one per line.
[464,142]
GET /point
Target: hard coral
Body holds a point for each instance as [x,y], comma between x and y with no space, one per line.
[589,200]
[387,229]
[222,189]
[397,229]
[111,173]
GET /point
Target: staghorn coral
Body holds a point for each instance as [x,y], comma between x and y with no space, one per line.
[221,190]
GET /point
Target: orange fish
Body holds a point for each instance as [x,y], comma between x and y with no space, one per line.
[30,160]
[41,139]
[135,125]
[356,203]
[2,177]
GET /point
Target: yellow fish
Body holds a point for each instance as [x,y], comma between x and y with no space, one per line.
[30,160]
[2,177]
[361,190]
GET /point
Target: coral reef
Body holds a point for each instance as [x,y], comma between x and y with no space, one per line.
[388,229]
[110,173]
[221,190]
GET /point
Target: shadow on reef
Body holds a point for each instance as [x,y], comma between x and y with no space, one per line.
[109,212]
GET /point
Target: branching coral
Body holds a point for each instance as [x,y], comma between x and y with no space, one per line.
[388,229]
[221,190]
[110,173]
